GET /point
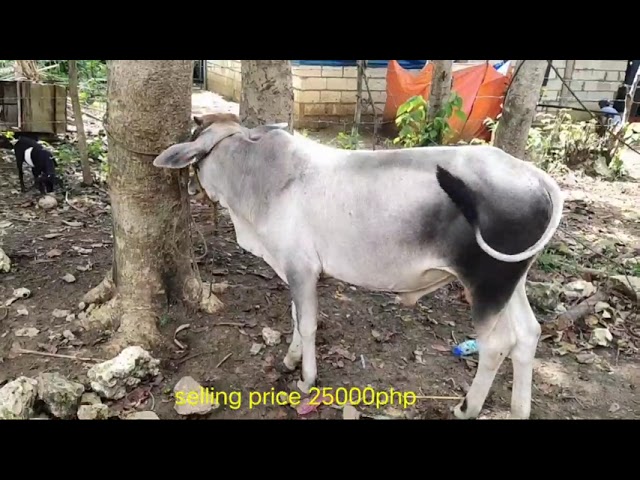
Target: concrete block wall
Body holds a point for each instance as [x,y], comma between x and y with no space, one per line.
[591,80]
[327,95]
[224,78]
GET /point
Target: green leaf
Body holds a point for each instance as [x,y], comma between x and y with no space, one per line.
[461,115]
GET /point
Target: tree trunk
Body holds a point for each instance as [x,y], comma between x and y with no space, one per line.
[26,70]
[440,86]
[148,109]
[77,114]
[520,107]
[267,93]
[629,98]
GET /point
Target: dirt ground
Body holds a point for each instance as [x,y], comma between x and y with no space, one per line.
[363,338]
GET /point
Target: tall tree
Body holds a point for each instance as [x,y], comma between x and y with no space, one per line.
[519,107]
[440,86]
[267,92]
[74,93]
[148,110]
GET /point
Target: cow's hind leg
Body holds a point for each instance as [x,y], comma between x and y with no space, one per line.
[512,331]
[527,330]
[495,341]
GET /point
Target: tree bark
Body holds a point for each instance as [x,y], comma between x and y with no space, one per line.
[267,93]
[26,70]
[440,86]
[520,107]
[87,178]
[148,110]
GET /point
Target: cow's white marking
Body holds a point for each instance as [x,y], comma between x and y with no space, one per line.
[27,156]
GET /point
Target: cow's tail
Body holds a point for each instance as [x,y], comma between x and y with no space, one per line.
[464,198]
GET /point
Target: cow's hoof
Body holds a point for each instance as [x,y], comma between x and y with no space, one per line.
[463,412]
[304,387]
[289,363]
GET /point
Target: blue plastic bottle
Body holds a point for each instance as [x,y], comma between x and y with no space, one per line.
[468,347]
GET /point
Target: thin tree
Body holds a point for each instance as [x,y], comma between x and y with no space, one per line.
[520,107]
[440,86]
[267,93]
[148,110]
[74,93]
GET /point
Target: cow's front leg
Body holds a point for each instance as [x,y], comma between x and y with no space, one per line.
[303,286]
[294,354]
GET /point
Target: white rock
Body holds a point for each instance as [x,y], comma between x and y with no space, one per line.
[68,334]
[89,398]
[271,337]
[71,317]
[255,348]
[192,398]
[113,378]
[5,262]
[69,278]
[17,398]
[27,332]
[47,202]
[23,312]
[96,411]
[145,415]
[62,396]
[57,313]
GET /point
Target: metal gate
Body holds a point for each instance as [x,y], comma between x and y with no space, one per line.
[200,73]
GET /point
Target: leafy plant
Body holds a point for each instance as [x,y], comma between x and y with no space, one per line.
[416,130]
[348,141]
[557,142]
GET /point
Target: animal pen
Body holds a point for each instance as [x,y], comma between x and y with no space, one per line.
[31,107]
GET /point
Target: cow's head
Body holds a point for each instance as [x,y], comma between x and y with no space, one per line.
[210,131]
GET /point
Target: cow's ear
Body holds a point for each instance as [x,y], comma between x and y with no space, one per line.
[184,154]
[258,132]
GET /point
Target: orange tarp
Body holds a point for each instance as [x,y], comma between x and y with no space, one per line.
[481,87]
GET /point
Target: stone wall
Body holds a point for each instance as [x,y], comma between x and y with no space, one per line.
[327,95]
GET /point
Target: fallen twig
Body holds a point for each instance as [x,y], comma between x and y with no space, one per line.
[58,355]
[433,397]
[224,360]
[233,324]
[579,311]
[27,220]
[84,112]
[190,357]
[66,199]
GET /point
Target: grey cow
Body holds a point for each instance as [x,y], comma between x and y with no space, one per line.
[404,221]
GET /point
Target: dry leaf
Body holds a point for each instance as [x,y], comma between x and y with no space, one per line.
[72,224]
[52,235]
[54,253]
[349,412]
[440,348]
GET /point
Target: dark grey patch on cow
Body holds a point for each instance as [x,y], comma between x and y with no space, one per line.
[508,227]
